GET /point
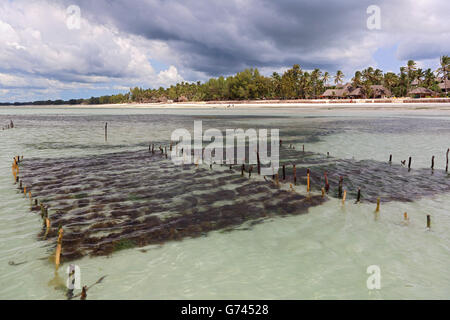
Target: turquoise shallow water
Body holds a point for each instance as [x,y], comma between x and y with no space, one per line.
[320,255]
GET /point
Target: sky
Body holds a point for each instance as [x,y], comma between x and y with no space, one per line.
[77,49]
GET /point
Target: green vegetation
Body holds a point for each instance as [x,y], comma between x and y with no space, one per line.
[294,83]
[134,197]
[123,244]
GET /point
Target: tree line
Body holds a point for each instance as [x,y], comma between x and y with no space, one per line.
[294,83]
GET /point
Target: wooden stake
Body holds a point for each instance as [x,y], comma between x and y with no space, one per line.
[344,196]
[428,221]
[295,175]
[58,248]
[307,182]
[259,164]
[432,163]
[106,131]
[358,198]
[390,158]
[47,226]
[84,293]
[284,172]
[341,181]
[42,210]
[409,163]
[378,205]
[446,166]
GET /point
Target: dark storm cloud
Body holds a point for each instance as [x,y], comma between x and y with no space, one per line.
[217,37]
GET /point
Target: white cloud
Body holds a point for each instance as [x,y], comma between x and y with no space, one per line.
[38,51]
[169,76]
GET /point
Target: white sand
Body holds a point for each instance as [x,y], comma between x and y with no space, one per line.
[224,105]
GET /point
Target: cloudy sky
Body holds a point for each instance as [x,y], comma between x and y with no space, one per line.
[46,52]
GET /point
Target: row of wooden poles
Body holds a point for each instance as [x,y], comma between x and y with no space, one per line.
[46,222]
[44,209]
[403,162]
[341,192]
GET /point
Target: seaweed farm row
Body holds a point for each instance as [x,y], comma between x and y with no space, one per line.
[115,201]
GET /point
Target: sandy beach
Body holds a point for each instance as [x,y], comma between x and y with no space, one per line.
[326,105]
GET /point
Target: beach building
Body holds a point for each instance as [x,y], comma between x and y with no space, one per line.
[347,91]
[356,93]
[379,91]
[341,91]
[444,85]
[421,92]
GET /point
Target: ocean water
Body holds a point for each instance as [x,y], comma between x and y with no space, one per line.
[321,254]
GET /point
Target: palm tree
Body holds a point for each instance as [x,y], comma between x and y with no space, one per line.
[338,77]
[411,65]
[444,70]
[429,78]
[276,82]
[420,74]
[367,74]
[326,77]
[377,76]
[410,68]
[356,80]
[390,80]
[315,76]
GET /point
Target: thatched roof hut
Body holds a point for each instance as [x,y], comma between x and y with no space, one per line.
[380,91]
[340,91]
[333,93]
[445,84]
[182,99]
[162,99]
[356,93]
[421,92]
